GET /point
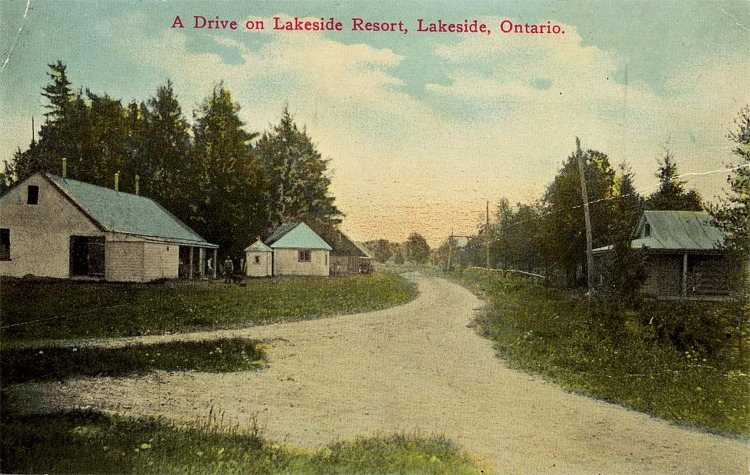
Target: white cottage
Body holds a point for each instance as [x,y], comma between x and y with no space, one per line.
[258,260]
[298,250]
[52,226]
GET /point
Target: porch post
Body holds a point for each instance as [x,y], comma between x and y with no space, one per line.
[684,274]
[202,261]
[216,262]
[190,272]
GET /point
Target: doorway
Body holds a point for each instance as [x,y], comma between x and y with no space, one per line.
[86,256]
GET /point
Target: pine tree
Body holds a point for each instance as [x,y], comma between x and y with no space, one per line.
[227,180]
[671,194]
[166,155]
[298,180]
[55,141]
[732,215]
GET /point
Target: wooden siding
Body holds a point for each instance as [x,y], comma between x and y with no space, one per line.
[160,261]
[286,262]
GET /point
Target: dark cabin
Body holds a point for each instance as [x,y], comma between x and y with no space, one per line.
[684,255]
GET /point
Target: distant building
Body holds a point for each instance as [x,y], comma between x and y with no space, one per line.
[684,255]
[298,250]
[347,256]
[57,227]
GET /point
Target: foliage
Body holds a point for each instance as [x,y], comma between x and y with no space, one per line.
[381,249]
[64,309]
[161,150]
[518,232]
[92,442]
[671,194]
[208,175]
[624,269]
[417,249]
[679,362]
[733,214]
[398,257]
[298,180]
[563,229]
[228,179]
[39,363]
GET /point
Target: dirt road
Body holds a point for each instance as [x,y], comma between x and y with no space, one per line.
[417,367]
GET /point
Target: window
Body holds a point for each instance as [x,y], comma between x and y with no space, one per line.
[4,244]
[304,256]
[32,196]
[257,259]
[647,230]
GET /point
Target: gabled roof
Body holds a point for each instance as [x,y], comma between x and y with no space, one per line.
[126,213]
[677,231]
[343,245]
[296,236]
[258,246]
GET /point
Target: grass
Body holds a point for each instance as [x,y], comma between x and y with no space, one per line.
[677,361]
[92,442]
[66,310]
[20,365]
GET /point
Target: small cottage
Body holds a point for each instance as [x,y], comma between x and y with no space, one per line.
[51,226]
[347,256]
[258,260]
[684,255]
[298,250]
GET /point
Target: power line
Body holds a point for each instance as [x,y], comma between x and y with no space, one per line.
[637,192]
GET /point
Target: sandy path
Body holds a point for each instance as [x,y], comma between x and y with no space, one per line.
[417,367]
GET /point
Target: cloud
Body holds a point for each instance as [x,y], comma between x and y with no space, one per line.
[499,126]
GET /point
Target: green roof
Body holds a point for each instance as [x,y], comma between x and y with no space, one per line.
[679,230]
[296,236]
[127,213]
[676,231]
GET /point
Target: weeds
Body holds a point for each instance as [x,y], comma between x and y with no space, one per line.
[679,361]
[91,442]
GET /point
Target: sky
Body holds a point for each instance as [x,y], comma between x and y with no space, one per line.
[421,129]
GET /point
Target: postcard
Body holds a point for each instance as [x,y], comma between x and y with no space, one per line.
[374,237]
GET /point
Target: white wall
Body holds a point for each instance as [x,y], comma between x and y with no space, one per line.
[133,259]
[123,261]
[40,234]
[262,269]
[286,262]
[160,261]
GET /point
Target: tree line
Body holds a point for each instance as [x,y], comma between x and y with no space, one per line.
[547,236]
[227,183]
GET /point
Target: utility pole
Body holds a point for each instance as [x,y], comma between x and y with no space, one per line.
[450,247]
[585,198]
[487,234]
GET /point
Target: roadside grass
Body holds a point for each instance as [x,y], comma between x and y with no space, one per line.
[680,361]
[20,365]
[92,442]
[48,310]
